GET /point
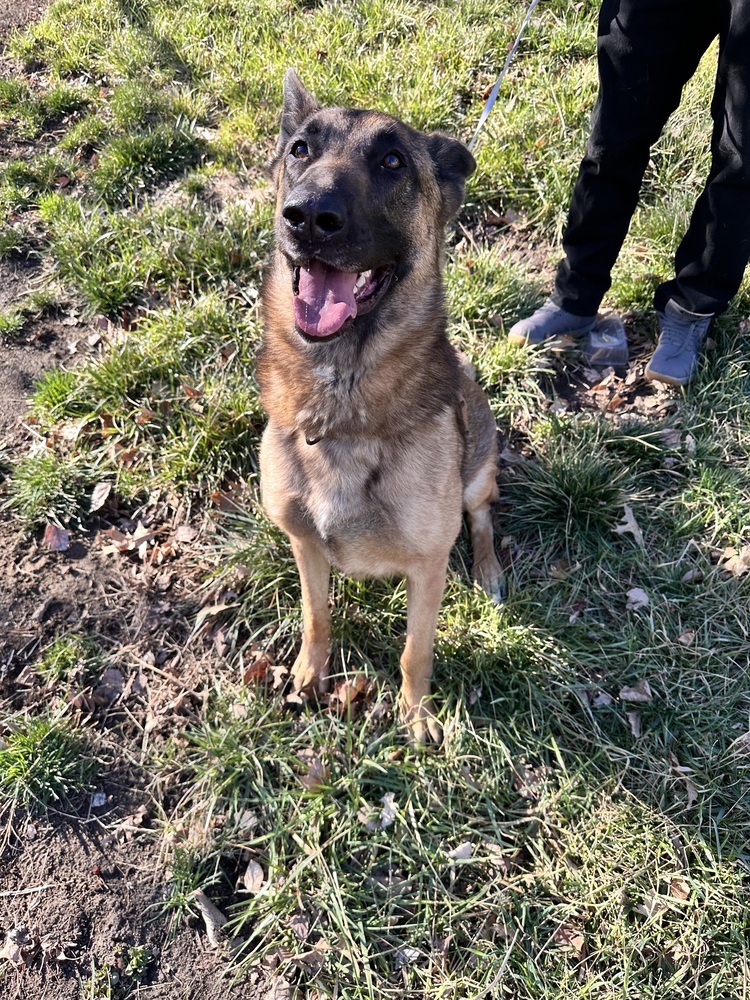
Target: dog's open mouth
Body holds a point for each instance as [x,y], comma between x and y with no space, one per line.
[326,298]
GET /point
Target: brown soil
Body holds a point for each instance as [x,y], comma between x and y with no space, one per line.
[80,884]
[17,13]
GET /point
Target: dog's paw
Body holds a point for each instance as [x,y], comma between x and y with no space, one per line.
[310,673]
[421,724]
[489,575]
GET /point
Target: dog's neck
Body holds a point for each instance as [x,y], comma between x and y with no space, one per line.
[384,381]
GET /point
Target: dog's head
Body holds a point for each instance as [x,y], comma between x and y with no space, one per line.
[362,199]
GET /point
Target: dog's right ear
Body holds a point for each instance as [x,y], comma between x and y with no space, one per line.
[299,104]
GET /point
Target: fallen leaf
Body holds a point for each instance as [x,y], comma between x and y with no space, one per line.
[389,811]
[630,525]
[56,539]
[679,888]
[601,699]
[317,776]
[670,437]
[528,780]
[569,938]
[634,718]
[651,906]
[256,671]
[736,562]
[406,956]
[17,942]
[561,569]
[110,686]
[300,924]
[349,690]
[687,638]
[692,576]
[637,598]
[639,692]
[461,853]
[254,877]
[186,533]
[691,791]
[99,496]
[683,773]
[213,918]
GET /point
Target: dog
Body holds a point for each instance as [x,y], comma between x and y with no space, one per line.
[377,436]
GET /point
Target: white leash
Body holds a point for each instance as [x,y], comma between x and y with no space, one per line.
[496,89]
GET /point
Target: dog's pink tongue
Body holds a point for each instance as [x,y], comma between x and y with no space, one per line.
[325,299]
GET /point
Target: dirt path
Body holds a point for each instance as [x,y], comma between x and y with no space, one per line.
[17,13]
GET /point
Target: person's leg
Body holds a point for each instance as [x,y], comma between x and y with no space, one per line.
[647,50]
[711,259]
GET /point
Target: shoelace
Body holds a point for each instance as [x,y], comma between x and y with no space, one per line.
[675,335]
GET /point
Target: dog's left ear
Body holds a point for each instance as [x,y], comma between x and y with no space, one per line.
[453,164]
[299,104]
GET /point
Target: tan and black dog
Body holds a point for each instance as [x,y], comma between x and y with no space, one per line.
[377,437]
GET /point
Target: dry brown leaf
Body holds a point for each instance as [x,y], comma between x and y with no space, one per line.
[736,562]
[389,811]
[300,924]
[55,539]
[639,692]
[186,533]
[349,690]
[569,938]
[99,496]
[637,598]
[17,944]
[110,686]
[600,699]
[692,576]
[630,525]
[213,918]
[254,877]
[679,888]
[687,638]
[256,671]
[528,780]
[652,905]
[317,777]
[634,718]
[463,852]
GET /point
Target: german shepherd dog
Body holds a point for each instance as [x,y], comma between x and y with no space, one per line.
[377,437]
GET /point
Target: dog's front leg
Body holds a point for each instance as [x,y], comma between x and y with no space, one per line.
[424,592]
[310,670]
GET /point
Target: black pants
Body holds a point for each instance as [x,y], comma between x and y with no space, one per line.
[647,51]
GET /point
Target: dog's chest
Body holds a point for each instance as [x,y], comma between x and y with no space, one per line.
[343,500]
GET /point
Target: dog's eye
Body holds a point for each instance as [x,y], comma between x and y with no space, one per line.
[392,161]
[300,150]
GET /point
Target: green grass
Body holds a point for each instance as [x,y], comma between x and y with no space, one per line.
[565,842]
[43,763]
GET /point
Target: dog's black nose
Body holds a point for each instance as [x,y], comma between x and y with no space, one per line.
[318,217]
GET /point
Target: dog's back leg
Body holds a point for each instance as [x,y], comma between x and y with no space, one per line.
[424,593]
[478,495]
[310,670]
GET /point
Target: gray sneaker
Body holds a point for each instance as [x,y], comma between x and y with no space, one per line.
[547,322]
[681,334]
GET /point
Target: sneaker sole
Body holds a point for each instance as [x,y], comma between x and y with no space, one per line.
[653,376]
[521,340]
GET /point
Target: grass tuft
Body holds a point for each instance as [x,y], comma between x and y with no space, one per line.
[43,762]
